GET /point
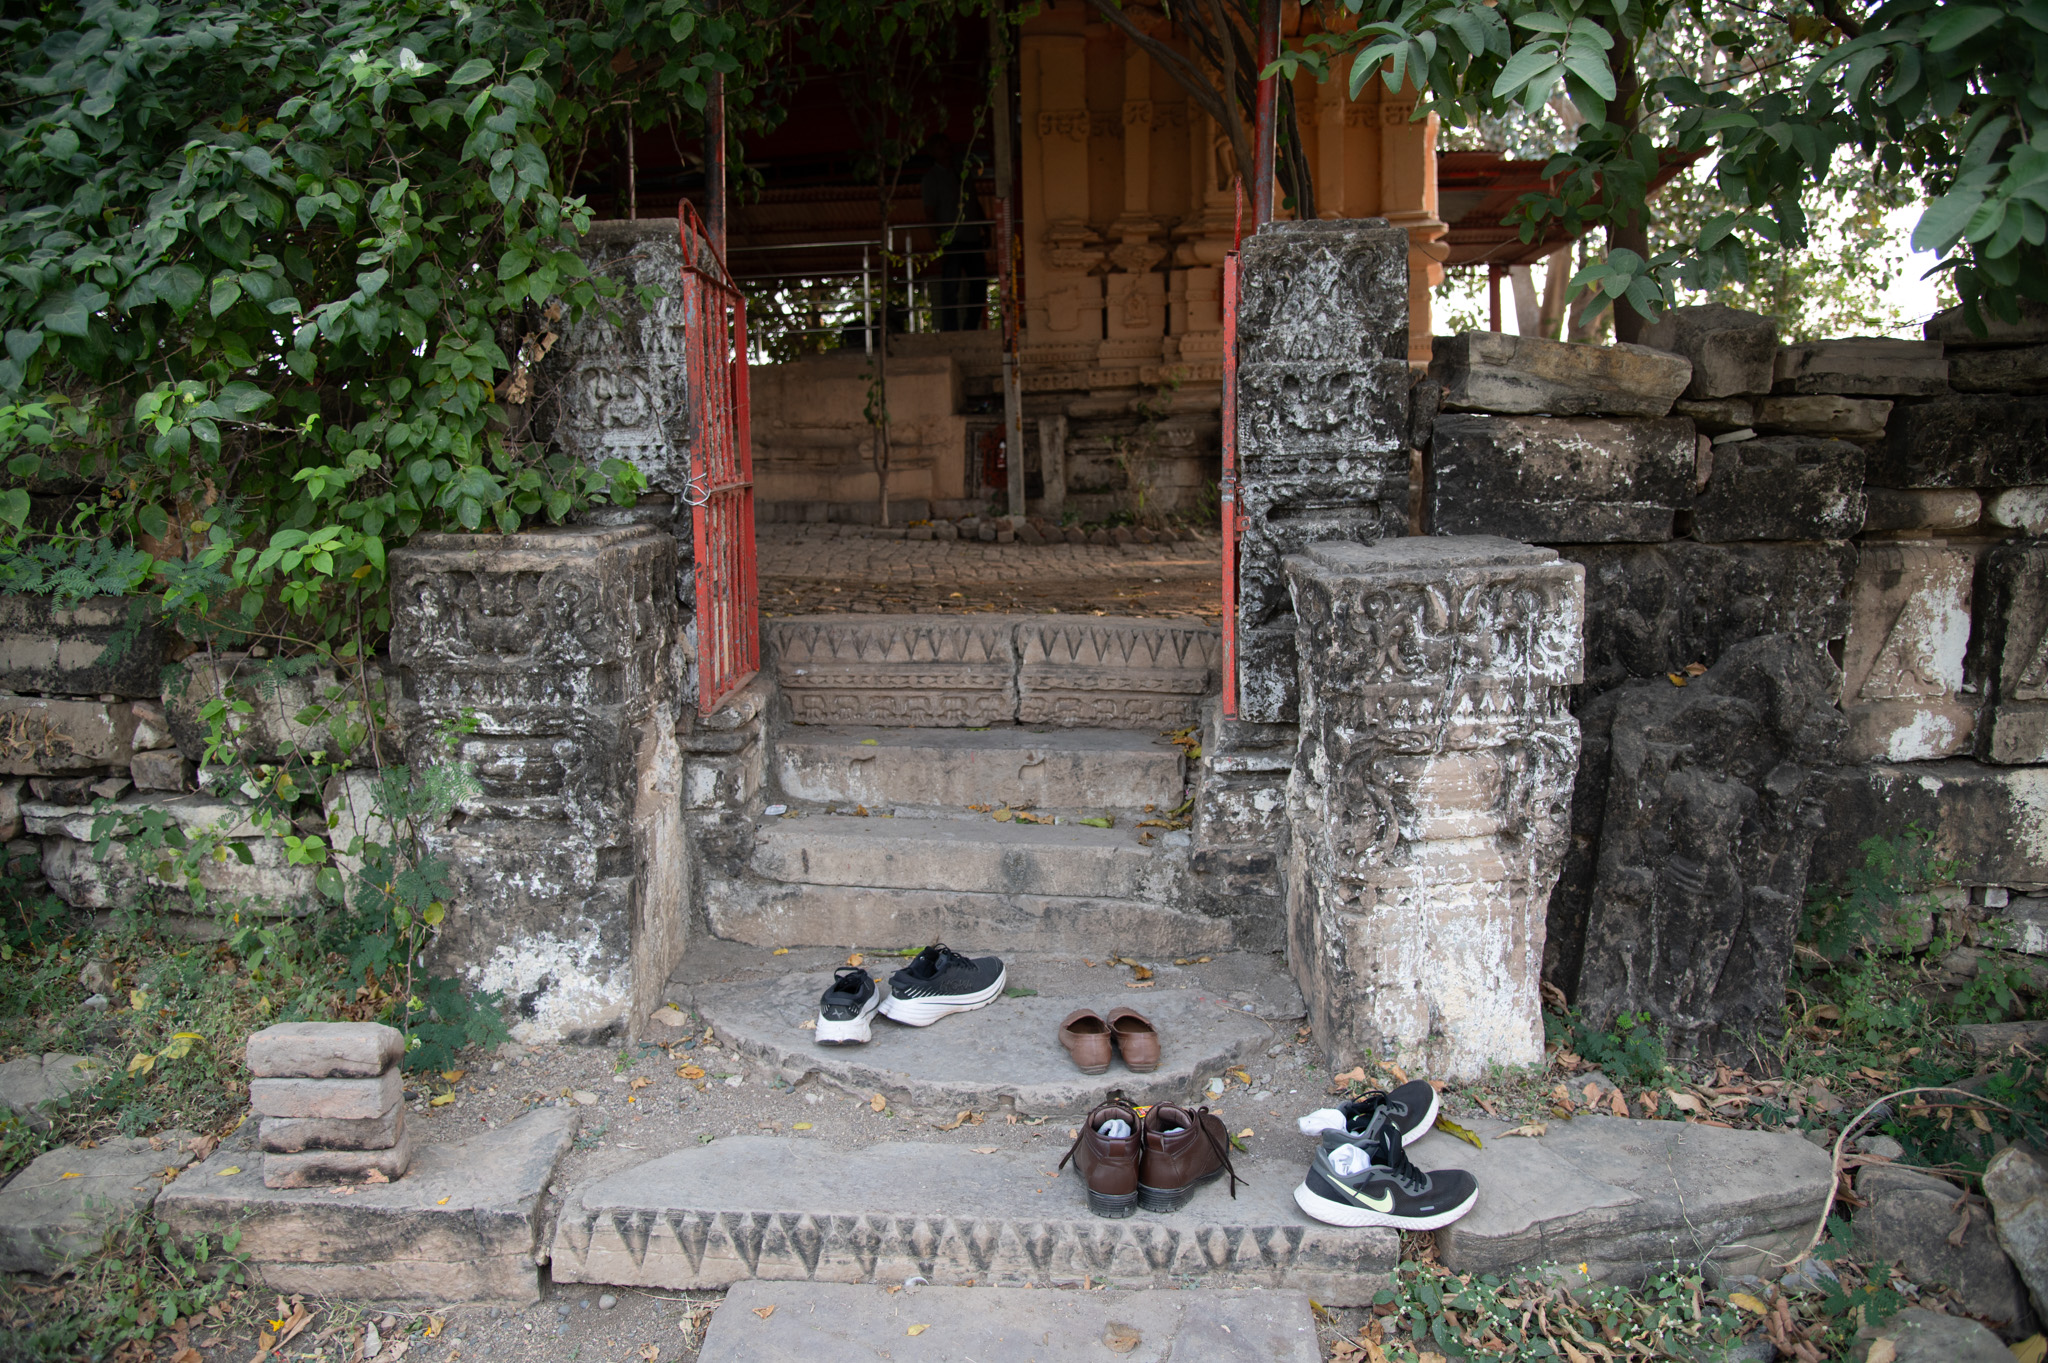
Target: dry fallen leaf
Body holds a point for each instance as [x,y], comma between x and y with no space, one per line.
[1245,1134]
[1400,1075]
[801,1126]
[855,959]
[441,1100]
[764,1311]
[780,951]
[691,1071]
[1141,972]
[434,1324]
[231,1169]
[1120,1338]
[441,1202]
[1527,1129]
[984,1149]
[1139,984]
[1748,1303]
[376,1176]
[1618,1103]
[642,1082]
[808,1025]
[188,1354]
[1881,1351]
[919,1329]
[878,1102]
[1684,1102]
[453,1076]
[71,1173]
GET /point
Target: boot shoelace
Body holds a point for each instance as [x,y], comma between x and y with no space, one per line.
[1221,1151]
[1089,1126]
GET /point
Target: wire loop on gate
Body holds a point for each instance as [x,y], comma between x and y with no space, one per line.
[693,494]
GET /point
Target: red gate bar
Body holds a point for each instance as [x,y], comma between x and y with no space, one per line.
[721,487]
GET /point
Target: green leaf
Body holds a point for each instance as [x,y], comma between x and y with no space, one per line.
[1535,65]
[227,290]
[14,507]
[69,311]
[471,71]
[1957,25]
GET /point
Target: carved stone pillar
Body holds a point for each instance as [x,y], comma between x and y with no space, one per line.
[1430,794]
[1322,421]
[1063,299]
[568,860]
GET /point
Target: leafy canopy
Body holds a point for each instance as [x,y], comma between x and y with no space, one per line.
[266,271]
[1950,95]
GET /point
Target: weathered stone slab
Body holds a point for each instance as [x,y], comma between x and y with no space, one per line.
[318,1168]
[1717,416]
[1781,488]
[1321,291]
[1712,793]
[789,1322]
[33,1083]
[2011,645]
[1952,328]
[1991,820]
[1732,351]
[324,1050]
[274,691]
[62,1206]
[1862,366]
[1268,691]
[266,884]
[1629,1198]
[292,1135]
[801,914]
[570,863]
[49,651]
[1825,414]
[974,855]
[1652,608]
[462,1225]
[2024,509]
[1908,1223]
[742,1208]
[1934,509]
[1556,480]
[164,769]
[1964,441]
[994,1058]
[1490,371]
[917,670]
[2017,1186]
[42,736]
[1429,795]
[2021,369]
[1902,663]
[1127,674]
[1069,769]
[347,1099]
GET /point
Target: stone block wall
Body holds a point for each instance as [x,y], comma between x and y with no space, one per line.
[1816,612]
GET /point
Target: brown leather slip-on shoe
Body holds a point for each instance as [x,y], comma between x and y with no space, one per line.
[1086,1037]
[1136,1038]
[1183,1151]
[1108,1163]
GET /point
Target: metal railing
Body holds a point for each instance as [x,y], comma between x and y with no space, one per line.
[920,306]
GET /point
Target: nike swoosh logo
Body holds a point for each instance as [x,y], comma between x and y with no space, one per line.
[1382,1203]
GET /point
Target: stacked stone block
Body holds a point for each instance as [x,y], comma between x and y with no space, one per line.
[331,1102]
[1322,422]
[568,856]
[1849,583]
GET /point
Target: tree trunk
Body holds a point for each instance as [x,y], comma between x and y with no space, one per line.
[1557,277]
[1528,317]
[1633,232]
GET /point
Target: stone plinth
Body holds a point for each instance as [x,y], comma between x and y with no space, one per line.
[1712,797]
[1322,424]
[2012,645]
[1429,795]
[1902,665]
[1135,674]
[569,862]
[916,670]
[1991,820]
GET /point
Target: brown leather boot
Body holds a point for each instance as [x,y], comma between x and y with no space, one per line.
[1108,1165]
[1183,1151]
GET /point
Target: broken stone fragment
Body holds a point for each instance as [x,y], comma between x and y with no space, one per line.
[1490,371]
[325,1050]
[1910,1221]
[34,1082]
[350,1099]
[1968,440]
[1825,414]
[1783,487]
[59,651]
[48,737]
[2011,643]
[1902,663]
[62,1206]
[1935,509]
[2023,369]
[1557,480]
[2017,1186]
[1732,351]
[1951,326]
[2024,509]
[164,769]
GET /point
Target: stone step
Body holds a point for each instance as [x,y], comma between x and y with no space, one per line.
[770,1322]
[787,1210]
[1211,1016]
[976,855]
[1000,765]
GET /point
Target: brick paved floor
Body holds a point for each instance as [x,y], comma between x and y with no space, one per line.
[804,573]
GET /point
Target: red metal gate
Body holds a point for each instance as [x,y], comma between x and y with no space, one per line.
[1229,489]
[721,486]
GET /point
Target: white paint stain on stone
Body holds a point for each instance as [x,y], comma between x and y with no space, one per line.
[580,987]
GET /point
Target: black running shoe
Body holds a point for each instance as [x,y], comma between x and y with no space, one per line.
[1411,1110]
[845,1009]
[941,981]
[1368,1180]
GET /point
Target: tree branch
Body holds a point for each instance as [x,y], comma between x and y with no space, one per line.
[1832,11]
[1186,76]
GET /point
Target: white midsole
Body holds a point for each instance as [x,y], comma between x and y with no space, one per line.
[924,1012]
[1346,1214]
[853,1029]
[1428,1123]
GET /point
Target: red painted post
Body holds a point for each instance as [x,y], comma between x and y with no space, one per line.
[1229,488]
[1267,123]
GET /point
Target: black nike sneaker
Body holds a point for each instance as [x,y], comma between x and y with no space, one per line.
[941,981]
[1411,1110]
[845,1009]
[1367,1180]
